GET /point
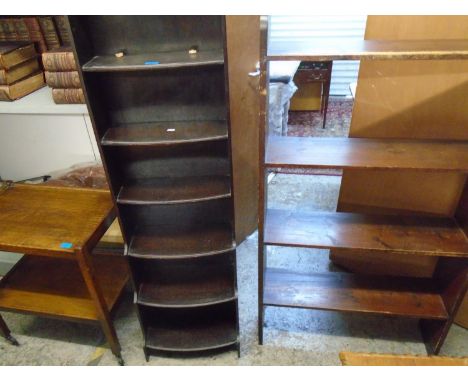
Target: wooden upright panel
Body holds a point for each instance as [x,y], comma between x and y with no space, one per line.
[243,41]
[407,99]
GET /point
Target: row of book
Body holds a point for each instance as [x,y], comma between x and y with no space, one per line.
[47,32]
[61,74]
[20,71]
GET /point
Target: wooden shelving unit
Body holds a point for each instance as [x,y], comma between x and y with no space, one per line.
[161,115]
[435,300]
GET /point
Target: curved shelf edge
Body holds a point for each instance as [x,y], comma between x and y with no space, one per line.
[113,143]
[182,256]
[181,306]
[192,350]
[180,201]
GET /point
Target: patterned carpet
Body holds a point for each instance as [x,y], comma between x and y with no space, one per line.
[309,124]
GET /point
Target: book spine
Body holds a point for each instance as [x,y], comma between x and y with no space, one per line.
[4,95]
[9,29]
[2,32]
[35,33]
[68,96]
[62,29]
[21,30]
[49,32]
[58,61]
[63,79]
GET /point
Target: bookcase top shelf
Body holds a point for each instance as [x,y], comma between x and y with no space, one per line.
[154,61]
[366,153]
[368,50]
[165,133]
[405,235]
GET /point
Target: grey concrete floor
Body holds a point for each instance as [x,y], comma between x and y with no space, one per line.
[292,336]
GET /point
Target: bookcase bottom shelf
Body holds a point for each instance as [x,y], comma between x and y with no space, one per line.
[55,287]
[191,330]
[395,296]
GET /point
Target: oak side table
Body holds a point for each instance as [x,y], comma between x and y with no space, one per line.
[57,229]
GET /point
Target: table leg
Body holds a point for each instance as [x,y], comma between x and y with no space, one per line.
[326,93]
[94,289]
[5,332]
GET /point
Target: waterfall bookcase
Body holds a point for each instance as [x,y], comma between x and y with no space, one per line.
[161,116]
[434,301]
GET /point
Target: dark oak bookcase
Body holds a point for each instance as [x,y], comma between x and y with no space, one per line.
[434,301]
[164,136]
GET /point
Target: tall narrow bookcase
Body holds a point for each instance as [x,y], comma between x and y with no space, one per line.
[161,116]
[435,300]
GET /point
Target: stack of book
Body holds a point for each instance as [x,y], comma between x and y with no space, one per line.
[20,73]
[47,32]
[62,76]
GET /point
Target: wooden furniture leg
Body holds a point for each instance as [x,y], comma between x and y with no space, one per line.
[5,332]
[326,95]
[84,261]
[452,276]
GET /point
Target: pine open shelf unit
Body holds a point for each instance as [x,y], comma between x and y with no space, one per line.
[161,117]
[435,300]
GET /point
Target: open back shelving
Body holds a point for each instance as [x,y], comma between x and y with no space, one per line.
[434,301]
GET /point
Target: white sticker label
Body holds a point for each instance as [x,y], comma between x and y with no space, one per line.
[170,130]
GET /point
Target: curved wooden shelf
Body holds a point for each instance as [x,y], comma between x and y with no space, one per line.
[343,292]
[366,153]
[368,50]
[165,133]
[192,330]
[168,242]
[187,283]
[176,190]
[153,61]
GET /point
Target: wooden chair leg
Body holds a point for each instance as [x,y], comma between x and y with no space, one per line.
[107,325]
[5,332]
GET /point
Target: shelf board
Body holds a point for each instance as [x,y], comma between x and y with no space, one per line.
[176,190]
[365,153]
[168,242]
[188,286]
[414,235]
[55,287]
[41,102]
[165,133]
[316,50]
[201,329]
[396,296]
[167,60]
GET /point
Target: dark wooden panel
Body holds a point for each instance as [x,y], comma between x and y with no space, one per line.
[133,165]
[191,329]
[364,153]
[175,190]
[354,293]
[154,61]
[368,50]
[151,34]
[165,133]
[55,287]
[186,94]
[405,235]
[186,283]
